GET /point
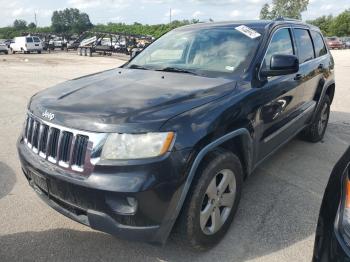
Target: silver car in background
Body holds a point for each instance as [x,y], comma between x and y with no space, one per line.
[3,48]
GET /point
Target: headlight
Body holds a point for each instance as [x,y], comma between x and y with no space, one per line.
[137,146]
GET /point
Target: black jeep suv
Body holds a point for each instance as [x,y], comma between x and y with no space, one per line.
[171,135]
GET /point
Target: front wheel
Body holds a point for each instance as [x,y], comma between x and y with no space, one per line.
[316,130]
[212,201]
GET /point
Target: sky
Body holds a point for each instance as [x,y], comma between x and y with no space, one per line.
[153,11]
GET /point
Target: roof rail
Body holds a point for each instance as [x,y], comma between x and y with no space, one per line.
[281,18]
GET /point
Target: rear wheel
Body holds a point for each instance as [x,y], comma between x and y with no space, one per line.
[212,202]
[316,130]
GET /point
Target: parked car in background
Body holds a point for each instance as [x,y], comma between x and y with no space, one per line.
[8,42]
[3,48]
[170,137]
[332,242]
[334,43]
[57,42]
[346,42]
[26,44]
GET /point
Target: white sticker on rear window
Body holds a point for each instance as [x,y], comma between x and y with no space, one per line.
[247,31]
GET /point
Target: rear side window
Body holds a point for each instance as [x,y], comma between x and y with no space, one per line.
[320,47]
[29,40]
[36,39]
[281,43]
[304,43]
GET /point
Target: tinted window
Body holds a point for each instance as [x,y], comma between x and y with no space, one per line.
[29,40]
[305,48]
[281,43]
[320,48]
[36,39]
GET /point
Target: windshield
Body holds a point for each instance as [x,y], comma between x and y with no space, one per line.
[200,51]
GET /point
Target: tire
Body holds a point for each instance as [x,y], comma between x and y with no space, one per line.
[6,52]
[39,52]
[196,226]
[316,130]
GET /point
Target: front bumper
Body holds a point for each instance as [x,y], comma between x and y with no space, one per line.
[101,200]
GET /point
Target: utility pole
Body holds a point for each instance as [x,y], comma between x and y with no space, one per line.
[170,15]
[36,22]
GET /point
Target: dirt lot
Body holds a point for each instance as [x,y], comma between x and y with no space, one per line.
[275,222]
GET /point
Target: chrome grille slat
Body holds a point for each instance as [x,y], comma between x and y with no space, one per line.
[68,149]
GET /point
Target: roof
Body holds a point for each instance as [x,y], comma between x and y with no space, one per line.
[261,24]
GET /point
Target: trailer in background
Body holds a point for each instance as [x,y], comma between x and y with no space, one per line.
[106,43]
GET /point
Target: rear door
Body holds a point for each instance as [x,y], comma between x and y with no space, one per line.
[310,67]
[322,63]
[37,42]
[30,43]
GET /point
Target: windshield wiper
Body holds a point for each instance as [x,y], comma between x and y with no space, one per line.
[138,67]
[176,70]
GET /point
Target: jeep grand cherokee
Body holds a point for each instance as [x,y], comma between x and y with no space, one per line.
[171,135]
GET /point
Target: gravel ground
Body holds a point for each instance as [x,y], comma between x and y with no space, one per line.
[276,219]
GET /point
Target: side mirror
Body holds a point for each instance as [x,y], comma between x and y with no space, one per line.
[282,65]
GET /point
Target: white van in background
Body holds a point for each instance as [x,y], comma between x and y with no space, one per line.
[26,44]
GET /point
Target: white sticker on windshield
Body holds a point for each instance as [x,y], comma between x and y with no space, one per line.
[247,31]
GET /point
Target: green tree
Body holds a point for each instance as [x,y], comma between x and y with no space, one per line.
[31,25]
[265,12]
[70,20]
[341,24]
[284,8]
[324,23]
[19,24]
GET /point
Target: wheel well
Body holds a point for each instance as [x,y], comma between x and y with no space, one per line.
[330,92]
[237,146]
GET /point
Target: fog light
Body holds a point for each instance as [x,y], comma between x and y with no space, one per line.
[122,205]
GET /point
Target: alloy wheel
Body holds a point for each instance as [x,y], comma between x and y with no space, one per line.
[218,201]
[322,123]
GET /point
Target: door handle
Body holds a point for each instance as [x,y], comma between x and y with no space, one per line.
[298,77]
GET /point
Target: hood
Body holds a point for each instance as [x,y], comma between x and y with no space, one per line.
[126,100]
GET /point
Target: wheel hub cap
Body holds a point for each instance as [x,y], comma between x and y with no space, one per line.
[322,123]
[218,201]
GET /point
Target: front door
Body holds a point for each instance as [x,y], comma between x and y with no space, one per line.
[279,116]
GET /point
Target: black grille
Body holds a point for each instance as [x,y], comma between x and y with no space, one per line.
[58,146]
[78,156]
